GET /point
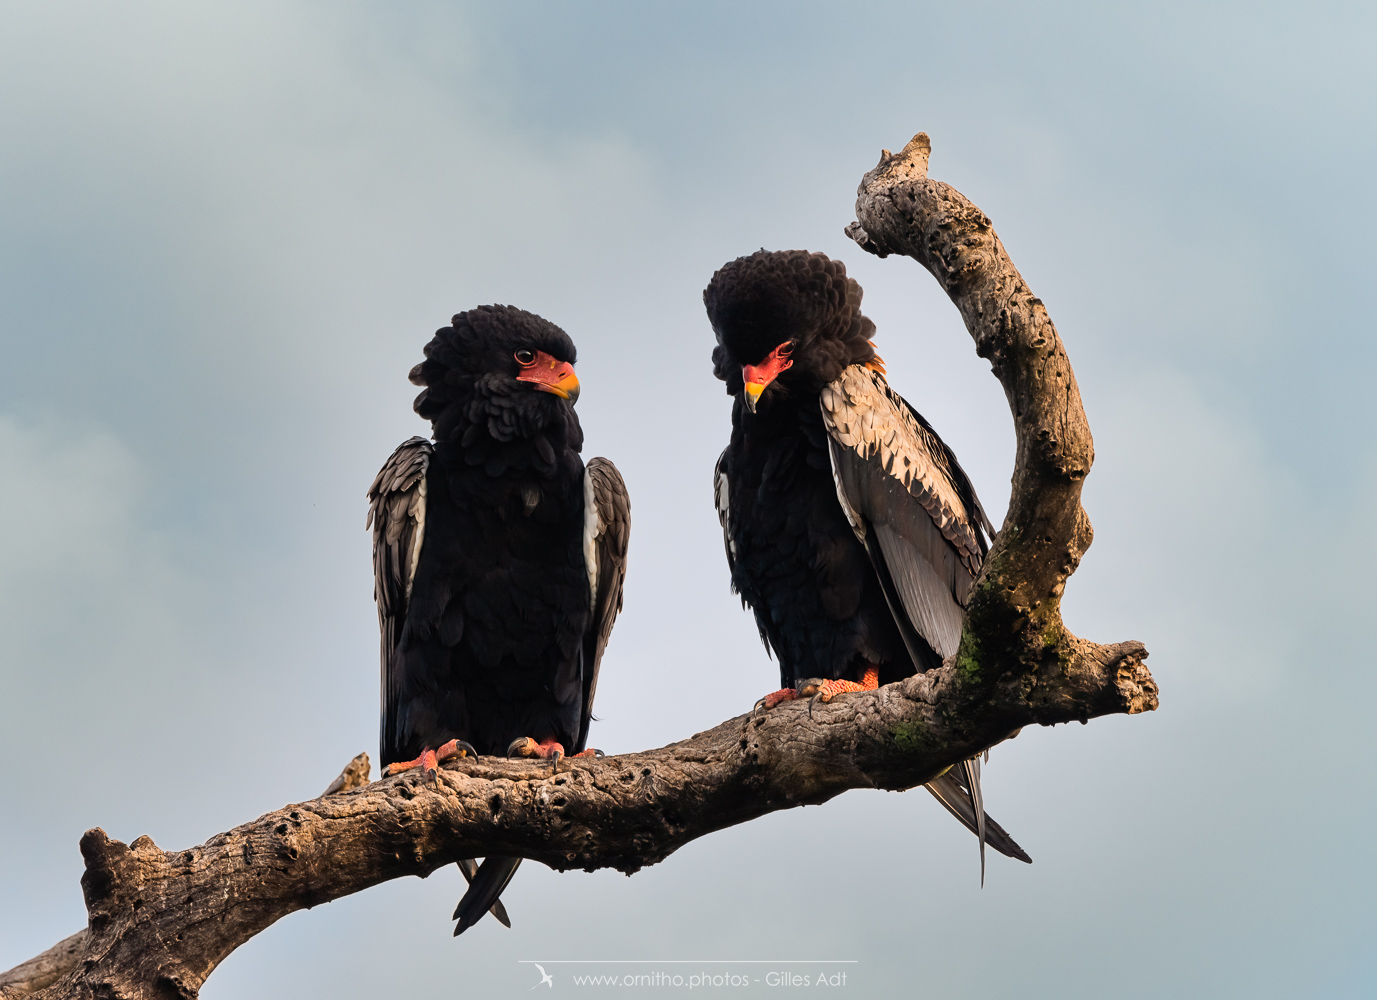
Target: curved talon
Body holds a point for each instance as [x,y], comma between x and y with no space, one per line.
[525,746]
[455,749]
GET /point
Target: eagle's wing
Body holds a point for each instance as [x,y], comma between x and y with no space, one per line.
[913,508]
[908,503]
[606,533]
[397,515]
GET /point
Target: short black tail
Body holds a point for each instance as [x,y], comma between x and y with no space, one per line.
[470,868]
[485,886]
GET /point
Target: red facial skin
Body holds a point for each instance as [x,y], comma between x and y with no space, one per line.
[757,377]
[549,375]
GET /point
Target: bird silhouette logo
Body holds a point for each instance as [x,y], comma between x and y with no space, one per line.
[545,978]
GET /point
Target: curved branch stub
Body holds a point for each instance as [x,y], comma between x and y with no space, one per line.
[1013,626]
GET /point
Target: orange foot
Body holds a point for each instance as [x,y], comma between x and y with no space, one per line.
[776,697]
[430,760]
[821,690]
[553,750]
[825,691]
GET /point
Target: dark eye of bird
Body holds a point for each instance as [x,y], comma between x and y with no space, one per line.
[786,349]
[525,357]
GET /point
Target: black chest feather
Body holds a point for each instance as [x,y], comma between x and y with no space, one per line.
[503,562]
[500,605]
[797,562]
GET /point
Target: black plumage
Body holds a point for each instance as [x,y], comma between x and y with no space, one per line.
[852,532]
[498,558]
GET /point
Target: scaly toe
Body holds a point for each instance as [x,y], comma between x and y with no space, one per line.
[776,698]
[426,762]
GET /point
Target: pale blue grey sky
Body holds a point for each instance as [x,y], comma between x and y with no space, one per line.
[226,230]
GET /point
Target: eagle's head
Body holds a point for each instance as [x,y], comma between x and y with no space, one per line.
[500,384]
[786,322]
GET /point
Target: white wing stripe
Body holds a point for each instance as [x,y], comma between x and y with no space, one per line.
[418,513]
[724,510]
[592,530]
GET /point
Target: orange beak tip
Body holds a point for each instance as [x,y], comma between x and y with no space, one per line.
[753,393]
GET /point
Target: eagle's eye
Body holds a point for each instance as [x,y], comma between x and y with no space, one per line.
[785,349]
[525,357]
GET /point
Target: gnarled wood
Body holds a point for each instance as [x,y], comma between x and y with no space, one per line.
[160,921]
[1013,637]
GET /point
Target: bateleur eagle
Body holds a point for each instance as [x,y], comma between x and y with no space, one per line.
[498,562]
[851,530]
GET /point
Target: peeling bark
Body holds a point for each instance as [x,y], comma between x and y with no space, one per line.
[161,921]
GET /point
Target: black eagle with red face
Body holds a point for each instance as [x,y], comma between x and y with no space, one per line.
[498,559]
[851,530]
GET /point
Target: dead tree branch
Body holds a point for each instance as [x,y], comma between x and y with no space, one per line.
[160,921]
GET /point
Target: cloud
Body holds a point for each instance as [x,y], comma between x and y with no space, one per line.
[85,589]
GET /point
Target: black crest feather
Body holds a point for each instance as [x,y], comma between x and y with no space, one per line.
[757,302]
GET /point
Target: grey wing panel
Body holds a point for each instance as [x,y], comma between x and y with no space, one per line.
[925,595]
[397,515]
[895,484]
[606,536]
